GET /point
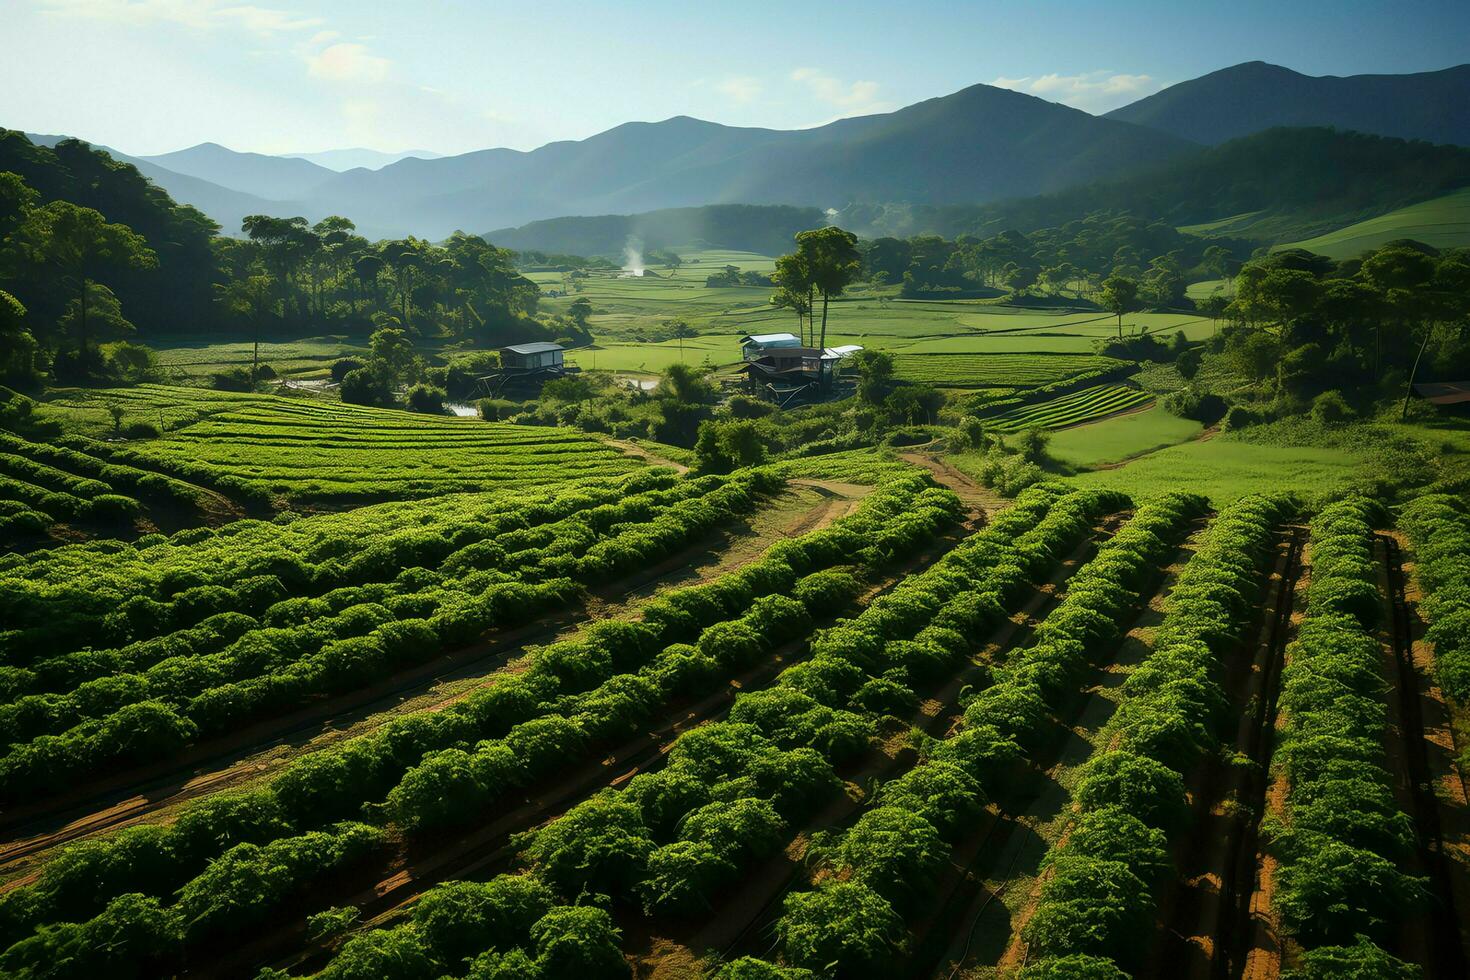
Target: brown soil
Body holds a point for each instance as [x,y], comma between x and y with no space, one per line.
[1205,909]
[253,752]
[1432,940]
[643,453]
[981,501]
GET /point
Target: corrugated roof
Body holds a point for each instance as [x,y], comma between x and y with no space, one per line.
[539,347]
[1445,392]
[772,340]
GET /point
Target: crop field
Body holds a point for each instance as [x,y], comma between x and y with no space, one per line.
[298,360]
[264,447]
[731,764]
[1443,222]
[1087,405]
[1123,437]
[999,370]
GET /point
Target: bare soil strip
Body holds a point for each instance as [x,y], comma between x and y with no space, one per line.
[981,500]
[1434,939]
[1206,909]
[132,797]
[994,879]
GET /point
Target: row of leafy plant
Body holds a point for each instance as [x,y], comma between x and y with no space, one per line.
[1071,409]
[97,879]
[730,791]
[1438,527]
[1342,839]
[152,714]
[1098,898]
[113,593]
[850,924]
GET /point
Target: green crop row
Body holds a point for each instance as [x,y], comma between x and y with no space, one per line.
[1098,899]
[1342,838]
[73,458]
[111,593]
[849,925]
[729,790]
[354,778]
[1073,409]
[62,505]
[1438,527]
[147,716]
[1005,370]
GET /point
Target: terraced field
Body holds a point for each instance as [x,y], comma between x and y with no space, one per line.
[1087,405]
[998,370]
[265,448]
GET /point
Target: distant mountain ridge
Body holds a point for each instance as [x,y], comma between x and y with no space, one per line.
[353,157]
[1248,98]
[980,145]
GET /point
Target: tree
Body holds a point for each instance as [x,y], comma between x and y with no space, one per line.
[834,262]
[81,245]
[249,299]
[1119,296]
[579,310]
[391,348]
[286,245]
[681,331]
[793,276]
[20,365]
[875,375]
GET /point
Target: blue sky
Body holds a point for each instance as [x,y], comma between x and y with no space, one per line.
[148,76]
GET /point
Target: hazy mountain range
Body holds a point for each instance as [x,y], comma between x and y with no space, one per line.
[977,145]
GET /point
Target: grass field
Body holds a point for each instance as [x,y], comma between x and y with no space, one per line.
[997,370]
[1443,222]
[1120,438]
[299,360]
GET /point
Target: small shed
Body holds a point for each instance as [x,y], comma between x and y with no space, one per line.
[532,357]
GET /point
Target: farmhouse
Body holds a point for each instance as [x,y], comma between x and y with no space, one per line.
[526,367]
[781,364]
[532,357]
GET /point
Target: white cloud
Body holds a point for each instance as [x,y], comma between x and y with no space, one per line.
[852,99]
[347,62]
[1093,91]
[194,14]
[740,88]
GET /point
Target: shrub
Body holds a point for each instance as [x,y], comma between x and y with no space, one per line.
[579,941]
[427,399]
[344,366]
[364,386]
[1331,408]
[141,430]
[844,930]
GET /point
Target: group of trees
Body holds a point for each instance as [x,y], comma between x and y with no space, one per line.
[1302,325]
[1071,259]
[825,263]
[92,253]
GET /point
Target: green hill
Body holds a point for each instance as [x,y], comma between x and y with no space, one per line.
[1443,222]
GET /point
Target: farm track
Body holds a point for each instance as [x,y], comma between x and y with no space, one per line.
[1205,909]
[986,863]
[740,924]
[132,797]
[1434,940]
[488,849]
[979,499]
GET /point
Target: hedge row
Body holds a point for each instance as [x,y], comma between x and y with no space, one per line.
[139,481]
[1342,838]
[1438,527]
[61,505]
[346,780]
[1097,903]
[893,855]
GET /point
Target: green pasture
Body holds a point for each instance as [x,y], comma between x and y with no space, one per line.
[298,359]
[1443,222]
[997,370]
[1120,437]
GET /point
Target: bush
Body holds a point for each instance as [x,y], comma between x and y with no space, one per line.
[496,409]
[843,930]
[1239,417]
[427,399]
[580,942]
[364,386]
[141,430]
[1191,403]
[341,368]
[1330,408]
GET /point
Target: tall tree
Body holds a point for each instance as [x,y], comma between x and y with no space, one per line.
[1119,296]
[794,288]
[249,299]
[834,260]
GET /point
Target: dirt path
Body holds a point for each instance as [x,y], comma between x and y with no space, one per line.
[982,501]
[1433,940]
[992,889]
[652,458]
[258,750]
[1205,910]
[1254,947]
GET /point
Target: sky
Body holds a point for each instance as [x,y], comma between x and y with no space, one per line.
[282,76]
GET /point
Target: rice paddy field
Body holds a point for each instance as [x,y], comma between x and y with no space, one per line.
[307,452]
